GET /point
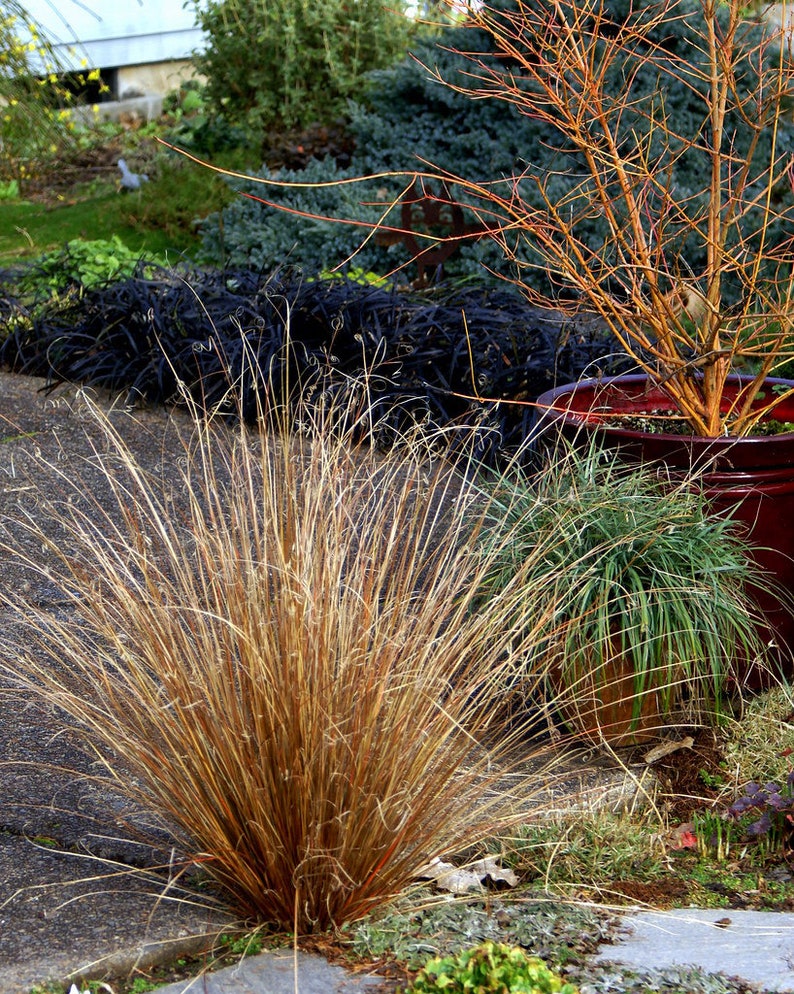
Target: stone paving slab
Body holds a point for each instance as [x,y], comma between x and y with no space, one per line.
[757,946]
[278,972]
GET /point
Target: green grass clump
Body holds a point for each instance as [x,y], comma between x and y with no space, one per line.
[650,590]
[760,744]
[587,852]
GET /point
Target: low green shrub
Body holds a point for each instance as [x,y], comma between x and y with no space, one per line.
[9,190]
[276,63]
[190,123]
[491,968]
[87,264]
[179,196]
[401,117]
[249,234]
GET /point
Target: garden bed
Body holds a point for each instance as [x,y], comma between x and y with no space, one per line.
[552,921]
[445,359]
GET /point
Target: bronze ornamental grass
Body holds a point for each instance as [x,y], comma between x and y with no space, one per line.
[294,658]
[283,658]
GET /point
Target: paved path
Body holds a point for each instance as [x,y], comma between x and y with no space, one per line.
[757,946]
[278,973]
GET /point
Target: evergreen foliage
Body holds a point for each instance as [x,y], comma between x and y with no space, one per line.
[408,119]
[286,63]
[403,117]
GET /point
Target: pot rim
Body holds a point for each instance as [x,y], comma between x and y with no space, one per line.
[550,410]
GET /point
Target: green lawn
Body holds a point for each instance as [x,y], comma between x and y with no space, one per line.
[159,219]
[29,229]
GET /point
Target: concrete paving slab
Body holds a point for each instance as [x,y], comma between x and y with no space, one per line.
[757,946]
[277,972]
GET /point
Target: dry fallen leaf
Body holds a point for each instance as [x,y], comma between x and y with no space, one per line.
[463,879]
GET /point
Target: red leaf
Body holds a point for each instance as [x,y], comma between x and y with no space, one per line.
[685,840]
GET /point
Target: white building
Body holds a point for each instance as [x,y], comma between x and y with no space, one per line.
[141,46]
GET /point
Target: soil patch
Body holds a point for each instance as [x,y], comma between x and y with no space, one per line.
[667,422]
[60,180]
[665,893]
[686,776]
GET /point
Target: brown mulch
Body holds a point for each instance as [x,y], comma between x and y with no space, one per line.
[56,181]
[665,893]
[294,149]
[681,776]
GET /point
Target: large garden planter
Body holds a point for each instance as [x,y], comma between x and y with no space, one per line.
[602,705]
[751,478]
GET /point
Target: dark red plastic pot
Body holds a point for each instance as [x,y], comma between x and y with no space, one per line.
[750,478]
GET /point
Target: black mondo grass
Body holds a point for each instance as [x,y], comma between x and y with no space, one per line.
[440,358]
[284,658]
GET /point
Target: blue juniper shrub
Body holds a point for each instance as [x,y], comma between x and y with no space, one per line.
[405,118]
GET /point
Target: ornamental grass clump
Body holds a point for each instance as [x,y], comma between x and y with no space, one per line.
[648,604]
[282,655]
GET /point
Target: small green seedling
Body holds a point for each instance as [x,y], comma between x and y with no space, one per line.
[248,944]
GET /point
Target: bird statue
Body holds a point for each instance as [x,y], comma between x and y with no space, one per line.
[131,181]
